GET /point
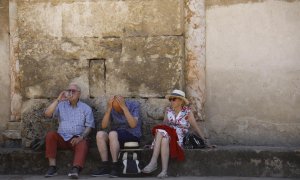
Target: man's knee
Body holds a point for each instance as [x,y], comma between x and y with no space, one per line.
[51,135]
[113,135]
[83,144]
[101,135]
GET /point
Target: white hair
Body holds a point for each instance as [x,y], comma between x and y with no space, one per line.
[76,85]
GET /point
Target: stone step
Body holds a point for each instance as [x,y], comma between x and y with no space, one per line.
[222,161]
[12,134]
[14,126]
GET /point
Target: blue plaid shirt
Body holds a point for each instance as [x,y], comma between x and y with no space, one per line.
[73,120]
[119,121]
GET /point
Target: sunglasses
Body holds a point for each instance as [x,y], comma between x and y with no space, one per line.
[72,90]
[172,99]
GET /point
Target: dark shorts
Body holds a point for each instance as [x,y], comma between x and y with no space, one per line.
[125,136]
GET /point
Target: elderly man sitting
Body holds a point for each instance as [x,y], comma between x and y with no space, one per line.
[75,122]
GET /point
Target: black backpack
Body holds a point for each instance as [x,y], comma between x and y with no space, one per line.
[130,163]
[129,160]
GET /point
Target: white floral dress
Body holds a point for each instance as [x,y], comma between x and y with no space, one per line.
[180,122]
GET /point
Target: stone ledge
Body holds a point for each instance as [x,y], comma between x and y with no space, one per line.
[222,161]
[12,134]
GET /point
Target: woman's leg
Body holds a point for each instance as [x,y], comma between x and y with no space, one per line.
[156,150]
[165,151]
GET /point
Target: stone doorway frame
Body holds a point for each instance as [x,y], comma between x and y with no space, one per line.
[195,39]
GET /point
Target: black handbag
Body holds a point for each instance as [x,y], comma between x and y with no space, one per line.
[192,141]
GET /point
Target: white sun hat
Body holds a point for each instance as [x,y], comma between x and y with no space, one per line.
[178,94]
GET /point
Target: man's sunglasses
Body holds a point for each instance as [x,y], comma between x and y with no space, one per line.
[72,90]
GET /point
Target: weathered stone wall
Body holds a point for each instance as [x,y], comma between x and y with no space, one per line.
[4,66]
[242,77]
[134,48]
[252,71]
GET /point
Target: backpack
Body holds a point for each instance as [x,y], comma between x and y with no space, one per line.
[130,164]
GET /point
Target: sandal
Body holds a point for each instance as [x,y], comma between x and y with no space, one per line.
[149,169]
[162,175]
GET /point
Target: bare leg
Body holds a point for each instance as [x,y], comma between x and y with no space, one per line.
[52,162]
[114,145]
[165,151]
[156,150]
[102,139]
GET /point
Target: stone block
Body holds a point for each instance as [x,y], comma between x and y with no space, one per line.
[90,48]
[12,134]
[155,108]
[94,19]
[104,18]
[44,72]
[149,67]
[13,125]
[53,64]
[114,18]
[156,17]
[97,78]
[48,77]
[40,18]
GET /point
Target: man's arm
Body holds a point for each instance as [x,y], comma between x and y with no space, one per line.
[106,118]
[86,132]
[51,108]
[132,121]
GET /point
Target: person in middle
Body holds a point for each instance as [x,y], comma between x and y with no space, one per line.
[125,126]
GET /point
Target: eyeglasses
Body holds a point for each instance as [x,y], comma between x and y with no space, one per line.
[172,99]
[72,90]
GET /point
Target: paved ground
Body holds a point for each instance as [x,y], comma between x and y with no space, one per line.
[61,177]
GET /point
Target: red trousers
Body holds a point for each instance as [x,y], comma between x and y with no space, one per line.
[54,141]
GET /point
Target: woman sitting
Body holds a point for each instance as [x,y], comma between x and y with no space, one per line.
[178,119]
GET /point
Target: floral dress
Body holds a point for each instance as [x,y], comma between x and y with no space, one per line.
[180,122]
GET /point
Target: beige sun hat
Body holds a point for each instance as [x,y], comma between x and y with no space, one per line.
[178,94]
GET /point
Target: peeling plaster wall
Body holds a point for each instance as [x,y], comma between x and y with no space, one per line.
[4,66]
[253,72]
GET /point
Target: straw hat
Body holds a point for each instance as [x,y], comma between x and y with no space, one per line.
[178,94]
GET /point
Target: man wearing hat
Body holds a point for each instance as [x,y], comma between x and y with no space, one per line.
[124,119]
